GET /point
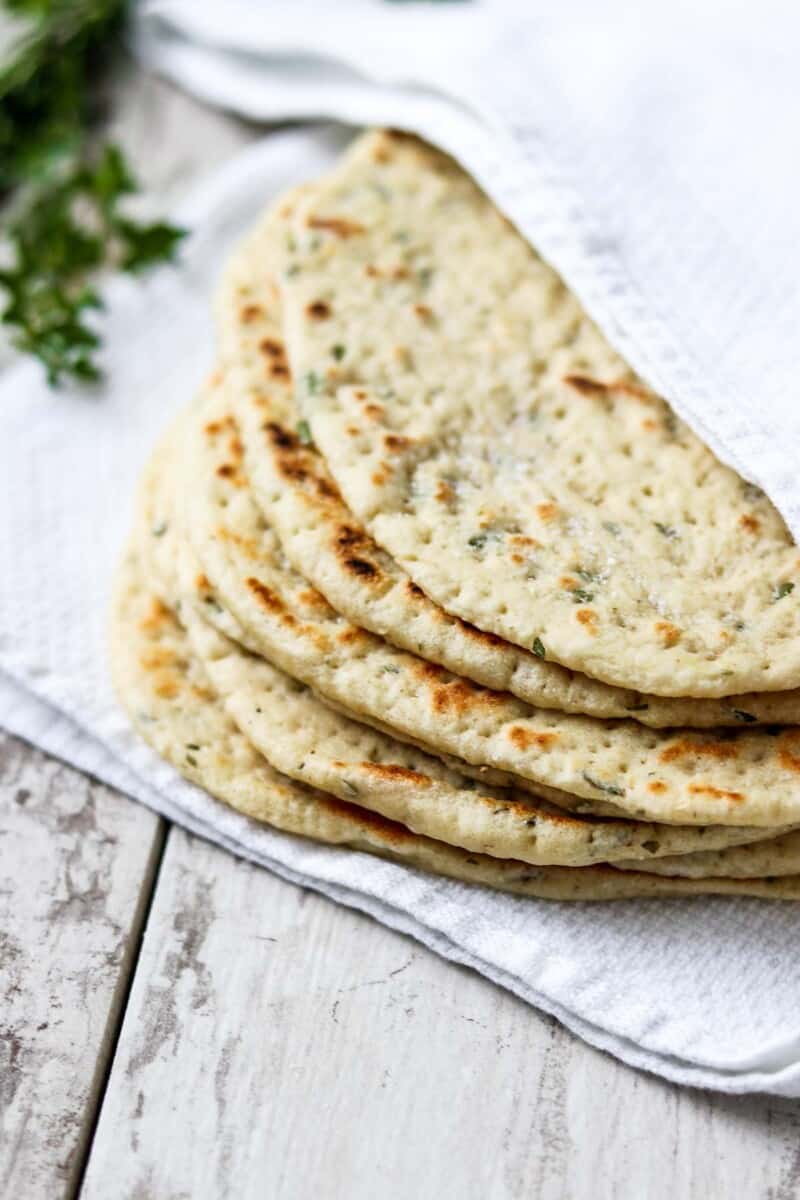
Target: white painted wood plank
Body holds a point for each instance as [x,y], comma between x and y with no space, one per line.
[76,866]
[275,1045]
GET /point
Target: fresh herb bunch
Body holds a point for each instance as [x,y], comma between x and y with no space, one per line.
[61,195]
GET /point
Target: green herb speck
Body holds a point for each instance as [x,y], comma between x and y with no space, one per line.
[666,531]
[781,590]
[351,787]
[581,596]
[478,541]
[611,789]
[304,433]
[160,529]
[538,648]
[741,715]
[312,382]
[338,351]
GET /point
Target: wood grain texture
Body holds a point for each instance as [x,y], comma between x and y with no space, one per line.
[275,1045]
[76,864]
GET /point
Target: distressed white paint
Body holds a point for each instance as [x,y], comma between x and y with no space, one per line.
[277,1046]
[75,868]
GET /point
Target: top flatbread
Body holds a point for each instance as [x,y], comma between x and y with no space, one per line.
[328,545]
[494,443]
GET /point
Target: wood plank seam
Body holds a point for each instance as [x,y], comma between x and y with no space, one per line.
[105,1061]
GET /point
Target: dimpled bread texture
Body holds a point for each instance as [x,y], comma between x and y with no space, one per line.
[171,704]
[169,700]
[313,750]
[331,548]
[498,448]
[741,777]
[305,739]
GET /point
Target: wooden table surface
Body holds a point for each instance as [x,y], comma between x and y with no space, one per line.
[176,1023]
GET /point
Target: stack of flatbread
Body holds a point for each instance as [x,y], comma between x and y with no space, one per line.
[426,571]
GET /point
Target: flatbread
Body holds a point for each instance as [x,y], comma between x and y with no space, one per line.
[338,754]
[304,739]
[170,703]
[498,448]
[734,778]
[777,856]
[325,542]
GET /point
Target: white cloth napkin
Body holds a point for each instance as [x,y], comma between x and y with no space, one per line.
[701,992]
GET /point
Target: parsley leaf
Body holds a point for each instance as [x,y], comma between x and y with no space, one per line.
[63,222]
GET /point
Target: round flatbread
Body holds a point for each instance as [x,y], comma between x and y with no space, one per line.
[325,542]
[498,448]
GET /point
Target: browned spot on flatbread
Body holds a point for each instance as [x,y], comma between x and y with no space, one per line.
[382,153]
[379,827]
[749,522]
[270,601]
[157,615]
[706,789]
[687,748]
[248,546]
[394,773]
[670,634]
[250,312]
[362,568]
[424,312]
[635,390]
[444,492]
[789,761]
[159,656]
[338,226]
[588,618]
[272,347]
[167,687]
[396,442]
[586,386]
[524,738]
[414,590]
[314,599]
[351,635]
[657,787]
[202,583]
[547,511]
[318,310]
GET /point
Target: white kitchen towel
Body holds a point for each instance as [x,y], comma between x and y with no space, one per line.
[703,992]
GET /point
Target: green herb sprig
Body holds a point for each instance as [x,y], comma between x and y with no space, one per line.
[63,221]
